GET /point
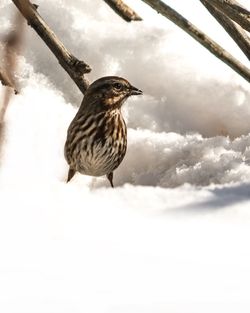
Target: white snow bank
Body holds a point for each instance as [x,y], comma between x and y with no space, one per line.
[36,129]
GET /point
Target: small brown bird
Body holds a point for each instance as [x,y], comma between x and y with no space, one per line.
[97,137]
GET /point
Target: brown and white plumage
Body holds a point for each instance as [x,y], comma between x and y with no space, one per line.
[97,137]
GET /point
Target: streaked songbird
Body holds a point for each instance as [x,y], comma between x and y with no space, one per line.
[97,137]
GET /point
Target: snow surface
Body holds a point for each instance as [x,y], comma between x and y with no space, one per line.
[173,236]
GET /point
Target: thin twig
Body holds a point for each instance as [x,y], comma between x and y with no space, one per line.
[74,67]
[234,10]
[201,37]
[123,10]
[236,32]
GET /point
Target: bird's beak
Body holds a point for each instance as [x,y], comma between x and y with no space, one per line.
[135,91]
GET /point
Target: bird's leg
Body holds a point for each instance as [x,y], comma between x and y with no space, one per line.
[110,178]
[71,173]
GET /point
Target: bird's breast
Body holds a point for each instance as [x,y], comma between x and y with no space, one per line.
[102,145]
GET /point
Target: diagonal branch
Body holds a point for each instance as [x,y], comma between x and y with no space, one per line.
[234,10]
[123,10]
[74,67]
[201,37]
[236,32]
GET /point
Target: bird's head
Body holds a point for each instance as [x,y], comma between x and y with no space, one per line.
[108,93]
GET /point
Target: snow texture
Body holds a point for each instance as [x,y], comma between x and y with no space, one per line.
[173,235]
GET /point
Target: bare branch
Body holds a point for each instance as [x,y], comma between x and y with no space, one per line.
[234,10]
[74,67]
[235,31]
[201,37]
[12,46]
[123,10]
[12,43]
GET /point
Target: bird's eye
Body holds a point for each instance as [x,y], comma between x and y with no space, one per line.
[118,86]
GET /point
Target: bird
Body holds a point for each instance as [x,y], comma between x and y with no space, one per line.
[96,140]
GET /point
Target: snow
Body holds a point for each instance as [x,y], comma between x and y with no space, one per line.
[173,235]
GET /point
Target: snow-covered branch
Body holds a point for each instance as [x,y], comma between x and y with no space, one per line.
[235,31]
[201,37]
[234,10]
[123,10]
[74,67]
